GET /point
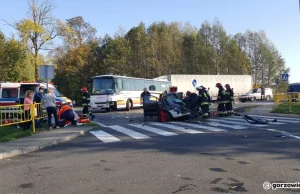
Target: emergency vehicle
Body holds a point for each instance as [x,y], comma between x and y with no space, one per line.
[14,93]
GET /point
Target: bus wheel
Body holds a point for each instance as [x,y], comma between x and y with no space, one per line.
[128,105]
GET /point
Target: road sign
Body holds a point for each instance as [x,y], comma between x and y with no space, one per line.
[285,77]
[194,83]
[277,81]
[47,72]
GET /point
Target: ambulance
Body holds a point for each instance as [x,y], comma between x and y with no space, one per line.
[14,93]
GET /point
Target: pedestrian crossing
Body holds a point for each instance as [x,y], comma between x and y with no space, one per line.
[137,131]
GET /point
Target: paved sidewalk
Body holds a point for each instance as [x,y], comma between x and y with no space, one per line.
[266,110]
[41,140]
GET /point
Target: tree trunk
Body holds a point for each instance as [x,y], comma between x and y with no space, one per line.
[36,66]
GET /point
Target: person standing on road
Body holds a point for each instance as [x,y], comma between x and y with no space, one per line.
[49,102]
[28,101]
[207,94]
[38,99]
[229,98]
[86,99]
[204,102]
[221,100]
[143,94]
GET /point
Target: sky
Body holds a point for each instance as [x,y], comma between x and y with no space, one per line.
[280,19]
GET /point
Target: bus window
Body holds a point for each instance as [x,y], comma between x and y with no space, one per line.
[119,83]
[128,85]
[152,88]
[103,86]
[139,85]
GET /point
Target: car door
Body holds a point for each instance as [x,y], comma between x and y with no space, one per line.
[150,105]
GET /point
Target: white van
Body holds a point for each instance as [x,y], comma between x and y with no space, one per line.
[14,93]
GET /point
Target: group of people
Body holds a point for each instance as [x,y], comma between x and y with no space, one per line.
[224,99]
[64,117]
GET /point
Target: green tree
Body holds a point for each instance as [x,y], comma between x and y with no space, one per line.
[37,31]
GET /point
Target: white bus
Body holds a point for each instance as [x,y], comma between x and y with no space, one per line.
[113,92]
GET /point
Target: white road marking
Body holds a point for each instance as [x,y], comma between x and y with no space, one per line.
[243,120]
[284,133]
[105,137]
[129,132]
[100,124]
[238,123]
[215,124]
[199,126]
[152,129]
[191,131]
[278,118]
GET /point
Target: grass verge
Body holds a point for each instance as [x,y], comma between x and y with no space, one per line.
[9,133]
[91,124]
[285,109]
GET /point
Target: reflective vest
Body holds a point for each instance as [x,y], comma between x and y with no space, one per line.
[86,99]
[203,99]
[222,99]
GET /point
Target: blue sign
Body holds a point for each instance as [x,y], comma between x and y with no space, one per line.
[285,77]
[194,83]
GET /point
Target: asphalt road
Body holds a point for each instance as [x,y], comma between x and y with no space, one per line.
[224,156]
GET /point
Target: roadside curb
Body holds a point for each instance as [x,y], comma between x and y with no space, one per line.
[28,149]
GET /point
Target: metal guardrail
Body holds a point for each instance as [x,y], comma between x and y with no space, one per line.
[291,99]
[15,114]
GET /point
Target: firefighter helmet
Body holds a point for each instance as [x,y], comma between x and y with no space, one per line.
[218,85]
[227,86]
[84,89]
[198,88]
[173,89]
[203,87]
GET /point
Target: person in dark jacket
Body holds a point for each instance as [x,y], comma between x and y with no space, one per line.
[221,100]
[38,99]
[229,98]
[86,99]
[207,94]
[204,102]
[144,94]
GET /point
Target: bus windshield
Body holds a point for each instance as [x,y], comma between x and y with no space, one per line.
[103,86]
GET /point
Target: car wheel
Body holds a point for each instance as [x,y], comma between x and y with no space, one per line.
[252,99]
[268,98]
[128,105]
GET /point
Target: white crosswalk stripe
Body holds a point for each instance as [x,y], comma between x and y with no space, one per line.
[129,132]
[281,119]
[236,122]
[105,137]
[152,129]
[191,131]
[243,120]
[212,125]
[216,124]
[200,126]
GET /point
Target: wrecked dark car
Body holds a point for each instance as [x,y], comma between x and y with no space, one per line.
[171,103]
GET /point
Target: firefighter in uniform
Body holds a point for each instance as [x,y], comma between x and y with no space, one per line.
[204,102]
[207,94]
[221,100]
[85,103]
[229,96]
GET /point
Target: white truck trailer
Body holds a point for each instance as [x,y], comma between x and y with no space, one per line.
[241,84]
